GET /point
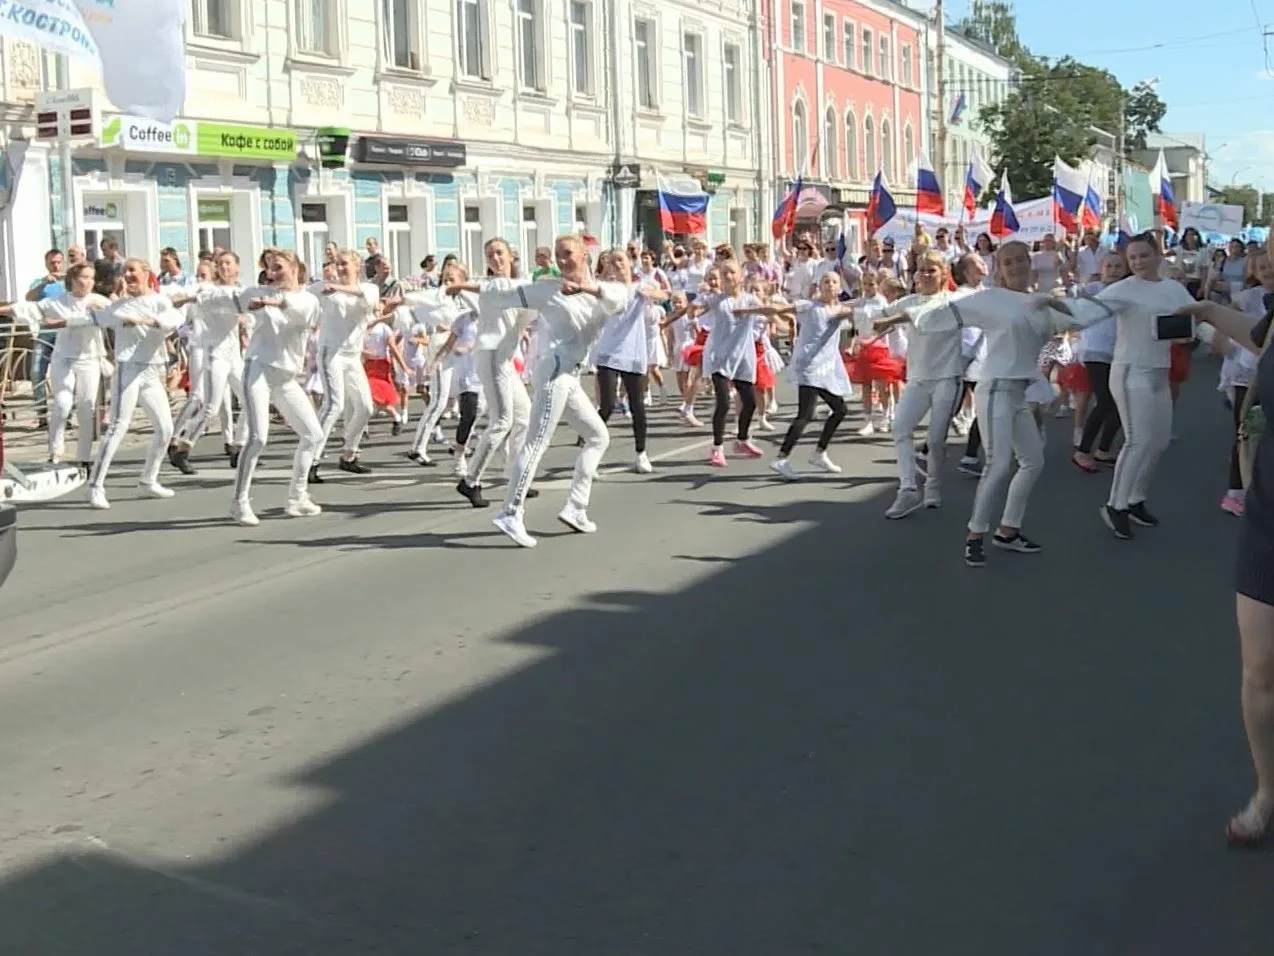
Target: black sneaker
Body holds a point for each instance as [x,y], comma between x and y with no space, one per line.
[397,429]
[315,478]
[974,553]
[1140,516]
[1016,542]
[181,461]
[354,466]
[1118,522]
[532,493]
[233,455]
[473,493]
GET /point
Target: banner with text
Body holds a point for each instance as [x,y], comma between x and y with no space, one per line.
[1034,216]
[199,138]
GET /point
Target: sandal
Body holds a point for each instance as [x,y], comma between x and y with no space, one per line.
[1250,827]
[1087,467]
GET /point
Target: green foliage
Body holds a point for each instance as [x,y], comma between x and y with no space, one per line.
[1258,209]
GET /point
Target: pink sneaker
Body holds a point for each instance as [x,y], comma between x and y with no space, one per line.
[1232,503]
[717,458]
[748,450]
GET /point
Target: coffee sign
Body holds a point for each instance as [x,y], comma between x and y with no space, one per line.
[199,138]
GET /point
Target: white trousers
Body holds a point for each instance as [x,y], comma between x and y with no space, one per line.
[439,395]
[1144,401]
[559,395]
[938,399]
[345,390]
[74,383]
[135,385]
[263,385]
[1009,434]
[209,397]
[508,412]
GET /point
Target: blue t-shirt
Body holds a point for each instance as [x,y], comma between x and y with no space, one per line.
[52,290]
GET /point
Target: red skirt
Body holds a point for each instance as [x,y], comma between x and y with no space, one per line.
[380,376]
[1074,377]
[692,354]
[1179,370]
[874,364]
[764,374]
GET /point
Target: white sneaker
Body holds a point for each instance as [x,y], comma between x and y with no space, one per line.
[784,467]
[867,430]
[820,461]
[933,495]
[97,499]
[155,490]
[512,526]
[765,425]
[643,465]
[438,436]
[576,518]
[241,513]
[772,408]
[908,500]
[302,508]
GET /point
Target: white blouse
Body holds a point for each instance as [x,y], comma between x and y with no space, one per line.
[816,360]
[731,346]
[623,342]
[80,339]
[281,332]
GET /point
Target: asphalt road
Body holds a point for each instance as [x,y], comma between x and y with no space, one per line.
[744,718]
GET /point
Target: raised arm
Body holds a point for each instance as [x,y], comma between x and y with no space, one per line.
[1234,325]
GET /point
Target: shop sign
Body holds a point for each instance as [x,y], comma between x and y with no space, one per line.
[625,175]
[197,137]
[410,152]
[213,210]
[100,210]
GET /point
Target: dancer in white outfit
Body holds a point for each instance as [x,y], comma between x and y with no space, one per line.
[439,311]
[575,309]
[346,308]
[283,314]
[500,332]
[76,365]
[221,320]
[141,321]
[1139,382]
[1016,325]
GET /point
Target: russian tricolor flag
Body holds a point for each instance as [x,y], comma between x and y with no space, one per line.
[1091,215]
[928,190]
[1165,203]
[784,222]
[1069,189]
[975,182]
[682,212]
[1004,220]
[959,104]
[880,207]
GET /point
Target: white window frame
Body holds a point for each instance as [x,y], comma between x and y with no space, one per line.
[305,35]
[870,159]
[886,70]
[314,236]
[849,37]
[398,245]
[796,25]
[528,229]
[201,17]
[829,37]
[531,23]
[867,45]
[851,149]
[212,226]
[831,164]
[576,33]
[732,81]
[472,238]
[646,57]
[480,71]
[908,68]
[692,73]
[800,144]
[908,145]
[888,161]
[391,31]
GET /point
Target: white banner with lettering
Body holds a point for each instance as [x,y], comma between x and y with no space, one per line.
[1212,218]
[1034,217]
[139,45]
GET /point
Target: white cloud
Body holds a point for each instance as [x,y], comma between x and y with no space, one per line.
[1245,158]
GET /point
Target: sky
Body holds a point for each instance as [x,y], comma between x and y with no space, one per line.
[1214,72]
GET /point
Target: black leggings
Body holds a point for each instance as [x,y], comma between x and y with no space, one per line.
[635,389]
[468,415]
[1104,417]
[747,406]
[807,396]
[1236,474]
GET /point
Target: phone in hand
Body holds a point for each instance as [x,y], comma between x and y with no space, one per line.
[1174,327]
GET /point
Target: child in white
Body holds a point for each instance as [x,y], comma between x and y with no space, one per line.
[142,321]
[283,313]
[574,309]
[439,311]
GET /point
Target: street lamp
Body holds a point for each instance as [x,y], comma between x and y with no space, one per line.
[1234,180]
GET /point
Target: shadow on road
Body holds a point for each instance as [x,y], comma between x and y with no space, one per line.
[846,744]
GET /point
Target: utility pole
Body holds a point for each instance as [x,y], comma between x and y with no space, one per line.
[940,81]
[1121,167]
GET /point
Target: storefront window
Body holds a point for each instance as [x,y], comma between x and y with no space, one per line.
[314,236]
[214,224]
[398,240]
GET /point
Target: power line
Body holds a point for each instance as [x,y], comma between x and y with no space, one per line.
[1185,41]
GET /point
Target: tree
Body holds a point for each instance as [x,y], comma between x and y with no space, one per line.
[1144,111]
[1249,198]
[994,23]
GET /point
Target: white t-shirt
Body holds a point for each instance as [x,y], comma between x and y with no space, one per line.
[1137,301]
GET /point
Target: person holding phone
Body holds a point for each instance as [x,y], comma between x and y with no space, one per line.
[1147,323]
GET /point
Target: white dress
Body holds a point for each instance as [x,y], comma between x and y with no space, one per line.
[623,344]
[731,346]
[816,360]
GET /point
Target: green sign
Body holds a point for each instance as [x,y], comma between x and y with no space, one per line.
[214,210]
[244,142]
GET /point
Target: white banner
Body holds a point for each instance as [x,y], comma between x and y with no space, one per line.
[1035,219]
[138,45]
[1210,217]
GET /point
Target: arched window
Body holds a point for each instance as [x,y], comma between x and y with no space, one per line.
[869,148]
[800,136]
[831,167]
[851,147]
[908,146]
[887,151]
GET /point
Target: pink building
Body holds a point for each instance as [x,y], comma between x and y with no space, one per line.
[848,100]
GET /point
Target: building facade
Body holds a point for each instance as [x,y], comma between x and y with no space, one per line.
[848,82]
[1187,157]
[468,119]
